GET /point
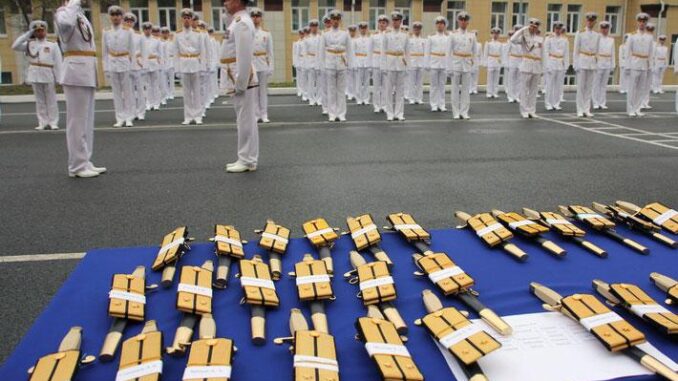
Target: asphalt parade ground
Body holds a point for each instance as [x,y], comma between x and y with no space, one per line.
[162,175]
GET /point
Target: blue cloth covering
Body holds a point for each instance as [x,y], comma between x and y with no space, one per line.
[501,281]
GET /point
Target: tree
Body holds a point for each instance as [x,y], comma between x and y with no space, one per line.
[30,9]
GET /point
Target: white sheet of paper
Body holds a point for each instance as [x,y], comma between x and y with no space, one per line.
[550,346]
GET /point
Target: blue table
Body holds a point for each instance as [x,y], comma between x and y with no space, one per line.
[501,281]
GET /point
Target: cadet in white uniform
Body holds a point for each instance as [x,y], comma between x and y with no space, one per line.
[351,71]
[661,60]
[322,78]
[314,78]
[394,46]
[645,104]
[493,54]
[214,65]
[263,63]
[377,58]
[585,64]
[136,73]
[531,67]
[79,79]
[153,63]
[463,51]
[190,52]
[361,56]
[335,48]
[296,61]
[117,47]
[606,64]
[640,50]
[557,58]
[169,63]
[437,54]
[623,67]
[44,70]
[237,54]
[514,58]
[416,64]
[477,60]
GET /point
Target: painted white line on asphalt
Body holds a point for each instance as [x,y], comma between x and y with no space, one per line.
[41,257]
[638,130]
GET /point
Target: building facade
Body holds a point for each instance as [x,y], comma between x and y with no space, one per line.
[284,17]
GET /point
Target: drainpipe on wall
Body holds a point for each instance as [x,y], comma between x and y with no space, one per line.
[659,19]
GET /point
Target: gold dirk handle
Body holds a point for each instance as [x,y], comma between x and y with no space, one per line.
[72,340]
[553,248]
[168,275]
[223,267]
[515,251]
[112,340]
[594,249]
[394,317]
[183,336]
[318,317]
[636,246]
[382,256]
[275,261]
[258,323]
[496,322]
[658,367]
[478,377]
[665,240]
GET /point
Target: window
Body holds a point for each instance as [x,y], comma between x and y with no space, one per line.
[3,26]
[324,7]
[573,16]
[453,9]
[6,77]
[613,16]
[299,14]
[167,14]
[196,5]
[377,7]
[519,15]
[498,16]
[552,15]
[140,9]
[403,6]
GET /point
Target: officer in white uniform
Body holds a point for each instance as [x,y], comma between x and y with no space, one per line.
[297,57]
[640,51]
[351,71]
[477,60]
[314,78]
[335,48]
[79,80]
[531,67]
[645,104]
[327,25]
[463,51]
[190,52]
[437,55]
[394,46]
[44,71]
[201,27]
[416,64]
[171,55]
[117,47]
[137,69]
[237,54]
[153,63]
[623,67]
[557,61]
[606,65]
[514,58]
[585,64]
[361,57]
[263,63]
[214,65]
[377,57]
[493,54]
[661,60]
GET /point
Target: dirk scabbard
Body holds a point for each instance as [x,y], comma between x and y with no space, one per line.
[210,357]
[259,293]
[635,223]
[63,364]
[490,231]
[274,238]
[366,236]
[173,247]
[657,213]
[322,237]
[668,285]
[227,246]
[314,286]
[519,224]
[141,355]
[314,352]
[443,272]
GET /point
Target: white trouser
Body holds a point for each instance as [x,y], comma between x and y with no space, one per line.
[191,84]
[599,95]
[248,130]
[493,81]
[676,100]
[395,94]
[322,84]
[162,84]
[298,79]
[170,83]
[152,89]
[205,100]
[657,79]
[584,90]
[46,104]
[461,88]
[554,84]
[623,80]
[350,82]
[416,80]
[436,95]
[312,91]
[79,127]
[362,85]
[514,84]
[528,92]
[139,89]
[335,83]
[124,101]
[261,94]
[647,89]
[377,89]
[636,87]
[474,80]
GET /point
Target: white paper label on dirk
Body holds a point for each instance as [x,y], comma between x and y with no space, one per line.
[256,282]
[193,289]
[595,321]
[375,282]
[363,230]
[274,237]
[449,272]
[319,232]
[228,240]
[202,372]
[461,334]
[314,362]
[407,227]
[586,216]
[642,309]
[128,296]
[308,279]
[387,349]
[175,243]
[665,217]
[489,229]
[138,371]
[557,221]
[516,224]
